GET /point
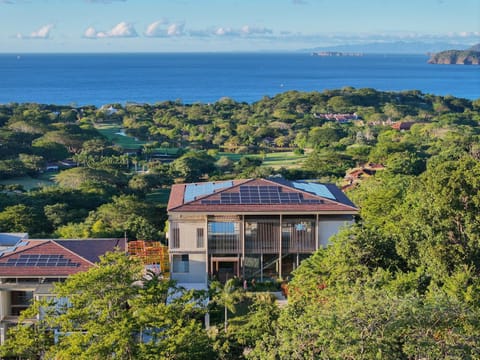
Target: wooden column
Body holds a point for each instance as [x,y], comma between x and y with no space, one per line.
[205,243]
[242,239]
[280,249]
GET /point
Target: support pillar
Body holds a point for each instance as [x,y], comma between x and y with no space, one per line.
[280,249]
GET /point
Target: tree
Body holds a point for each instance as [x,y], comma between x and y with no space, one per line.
[260,321]
[19,218]
[33,164]
[30,340]
[227,295]
[115,311]
[193,165]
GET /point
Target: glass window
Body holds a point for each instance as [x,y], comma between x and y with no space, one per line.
[222,228]
[175,238]
[181,263]
[200,242]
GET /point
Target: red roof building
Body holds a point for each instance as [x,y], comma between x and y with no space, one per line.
[29,269]
[256,228]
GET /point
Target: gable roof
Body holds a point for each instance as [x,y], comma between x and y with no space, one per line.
[57,258]
[259,195]
[95,248]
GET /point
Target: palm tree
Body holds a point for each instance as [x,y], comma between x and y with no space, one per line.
[227,295]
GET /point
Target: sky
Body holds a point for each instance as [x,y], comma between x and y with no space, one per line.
[87,26]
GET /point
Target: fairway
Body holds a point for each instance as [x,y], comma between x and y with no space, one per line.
[29,183]
[114,133]
[287,160]
[159,196]
[275,160]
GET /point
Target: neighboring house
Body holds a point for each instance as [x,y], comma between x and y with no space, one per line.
[9,240]
[254,229]
[354,176]
[403,125]
[28,270]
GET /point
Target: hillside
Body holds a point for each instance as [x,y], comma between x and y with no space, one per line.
[470,56]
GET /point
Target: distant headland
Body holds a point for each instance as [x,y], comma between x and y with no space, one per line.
[470,56]
[336,53]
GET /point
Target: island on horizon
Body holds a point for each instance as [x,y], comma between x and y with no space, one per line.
[336,53]
[470,56]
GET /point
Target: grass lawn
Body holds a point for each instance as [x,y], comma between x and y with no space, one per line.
[274,160]
[287,160]
[112,133]
[159,196]
[28,182]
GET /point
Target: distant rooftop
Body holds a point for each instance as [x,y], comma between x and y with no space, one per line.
[52,257]
[10,239]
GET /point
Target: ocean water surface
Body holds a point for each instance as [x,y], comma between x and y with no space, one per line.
[99,79]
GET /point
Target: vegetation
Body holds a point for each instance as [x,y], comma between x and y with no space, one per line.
[402,283]
[289,134]
[114,311]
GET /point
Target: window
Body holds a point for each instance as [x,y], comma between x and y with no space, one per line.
[19,301]
[223,237]
[200,242]
[228,228]
[181,263]
[175,238]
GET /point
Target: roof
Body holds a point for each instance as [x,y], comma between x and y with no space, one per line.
[10,239]
[55,257]
[271,195]
[94,248]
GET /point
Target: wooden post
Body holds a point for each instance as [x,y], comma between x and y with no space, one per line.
[280,249]
[242,239]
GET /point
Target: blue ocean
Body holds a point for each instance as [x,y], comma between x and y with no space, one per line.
[97,79]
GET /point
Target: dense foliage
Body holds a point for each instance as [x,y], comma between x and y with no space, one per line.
[104,171]
[402,283]
[114,311]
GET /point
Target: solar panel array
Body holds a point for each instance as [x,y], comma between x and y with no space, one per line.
[261,195]
[317,189]
[193,191]
[40,260]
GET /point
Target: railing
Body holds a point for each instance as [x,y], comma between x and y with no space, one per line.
[224,244]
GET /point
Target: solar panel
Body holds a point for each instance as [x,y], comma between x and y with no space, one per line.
[40,260]
[193,191]
[317,189]
[261,195]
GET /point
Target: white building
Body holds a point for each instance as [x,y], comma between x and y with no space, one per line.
[254,229]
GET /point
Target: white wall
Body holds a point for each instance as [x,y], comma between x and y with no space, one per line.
[4,303]
[329,227]
[197,270]
[188,234]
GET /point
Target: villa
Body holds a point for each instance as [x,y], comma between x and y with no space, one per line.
[253,229]
[29,269]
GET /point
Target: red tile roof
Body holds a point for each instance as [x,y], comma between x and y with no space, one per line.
[340,203]
[80,255]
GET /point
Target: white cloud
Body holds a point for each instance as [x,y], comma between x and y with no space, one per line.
[225,31]
[252,30]
[121,30]
[175,29]
[163,28]
[42,33]
[245,30]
